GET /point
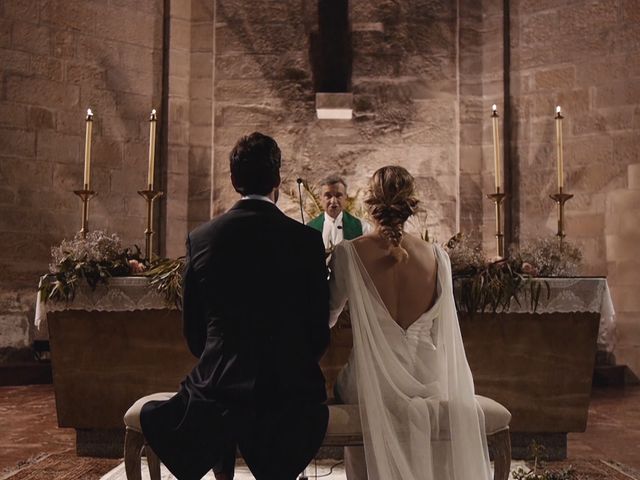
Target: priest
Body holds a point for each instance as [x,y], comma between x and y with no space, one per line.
[335,223]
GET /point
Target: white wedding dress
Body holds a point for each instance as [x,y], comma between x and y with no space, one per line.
[419,416]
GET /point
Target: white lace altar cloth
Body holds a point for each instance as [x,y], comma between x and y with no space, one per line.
[578,294]
[122,294]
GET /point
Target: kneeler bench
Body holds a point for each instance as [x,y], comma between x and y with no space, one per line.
[344,430]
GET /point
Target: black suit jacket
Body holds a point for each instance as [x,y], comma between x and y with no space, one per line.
[256,315]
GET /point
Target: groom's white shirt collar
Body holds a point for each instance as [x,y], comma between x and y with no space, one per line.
[256,197]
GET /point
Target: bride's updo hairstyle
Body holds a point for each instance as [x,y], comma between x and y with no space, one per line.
[391,201]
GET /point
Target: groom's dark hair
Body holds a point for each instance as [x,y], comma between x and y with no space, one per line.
[255,164]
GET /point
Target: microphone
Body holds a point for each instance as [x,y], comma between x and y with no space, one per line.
[299,180]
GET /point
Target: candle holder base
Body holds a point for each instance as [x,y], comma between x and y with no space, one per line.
[497,199]
[150,196]
[85,195]
[561,198]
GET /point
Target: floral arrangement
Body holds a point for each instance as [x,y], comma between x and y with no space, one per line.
[93,259]
[100,256]
[482,284]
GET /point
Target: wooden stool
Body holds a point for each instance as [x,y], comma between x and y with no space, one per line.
[344,430]
[134,440]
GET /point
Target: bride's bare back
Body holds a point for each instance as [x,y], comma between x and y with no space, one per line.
[408,289]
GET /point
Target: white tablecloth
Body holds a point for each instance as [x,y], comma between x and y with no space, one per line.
[581,294]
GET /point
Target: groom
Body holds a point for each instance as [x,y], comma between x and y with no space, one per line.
[256,315]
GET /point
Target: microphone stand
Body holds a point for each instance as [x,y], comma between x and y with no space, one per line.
[299,180]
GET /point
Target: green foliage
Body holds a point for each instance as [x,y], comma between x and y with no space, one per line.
[165,276]
[481,285]
[93,259]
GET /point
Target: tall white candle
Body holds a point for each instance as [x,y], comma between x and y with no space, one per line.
[559,148]
[87,150]
[152,148]
[496,145]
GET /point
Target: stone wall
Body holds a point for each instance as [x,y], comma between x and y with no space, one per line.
[584,56]
[404,83]
[57,58]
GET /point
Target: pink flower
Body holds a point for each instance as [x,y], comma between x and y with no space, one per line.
[136,266]
[529,269]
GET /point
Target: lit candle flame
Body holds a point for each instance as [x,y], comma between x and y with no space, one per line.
[89,113]
[494,108]
[558,109]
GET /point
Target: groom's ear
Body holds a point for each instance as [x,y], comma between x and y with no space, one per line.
[277,180]
[234,182]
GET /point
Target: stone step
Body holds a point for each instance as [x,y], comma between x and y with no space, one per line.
[634,176]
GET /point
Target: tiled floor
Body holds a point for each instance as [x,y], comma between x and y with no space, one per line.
[28,426]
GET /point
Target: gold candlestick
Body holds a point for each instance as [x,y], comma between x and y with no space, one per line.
[498,198]
[149,195]
[561,198]
[85,195]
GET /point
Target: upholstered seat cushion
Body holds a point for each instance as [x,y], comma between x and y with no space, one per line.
[132,417]
[344,421]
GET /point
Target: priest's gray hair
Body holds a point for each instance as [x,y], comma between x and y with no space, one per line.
[332,180]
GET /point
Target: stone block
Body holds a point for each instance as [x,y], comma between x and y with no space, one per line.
[47,67]
[555,79]
[70,15]
[15,62]
[623,201]
[623,273]
[201,11]
[634,177]
[603,120]
[177,159]
[202,37]
[98,51]
[41,118]
[109,205]
[583,151]
[101,102]
[201,135]
[130,179]
[63,44]
[622,249]
[5,33]
[140,59]
[617,94]
[13,115]
[573,102]
[250,115]
[137,27]
[180,35]
[42,92]
[7,196]
[585,225]
[143,83]
[19,143]
[245,67]
[14,330]
[30,38]
[626,299]
[200,160]
[91,76]
[20,172]
[107,153]
[201,65]
[200,112]
[59,147]
[626,149]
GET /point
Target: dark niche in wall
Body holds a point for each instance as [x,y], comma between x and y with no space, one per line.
[330,48]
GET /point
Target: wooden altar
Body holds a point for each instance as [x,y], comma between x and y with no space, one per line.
[538,365]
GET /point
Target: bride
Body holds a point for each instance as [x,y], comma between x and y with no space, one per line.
[407,371]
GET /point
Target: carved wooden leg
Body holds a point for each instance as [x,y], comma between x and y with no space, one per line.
[133,442]
[153,463]
[501,443]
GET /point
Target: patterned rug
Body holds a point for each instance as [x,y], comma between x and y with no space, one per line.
[61,466]
[67,466]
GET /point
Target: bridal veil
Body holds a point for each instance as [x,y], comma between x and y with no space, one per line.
[419,416]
